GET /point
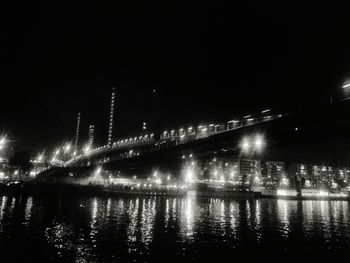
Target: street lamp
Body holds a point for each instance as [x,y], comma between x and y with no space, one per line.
[87,150]
[249,144]
[67,148]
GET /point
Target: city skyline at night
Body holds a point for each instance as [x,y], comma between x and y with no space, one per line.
[181,132]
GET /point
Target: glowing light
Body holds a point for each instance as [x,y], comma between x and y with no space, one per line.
[346,86]
[284,181]
[40,158]
[282,192]
[189,173]
[2,142]
[233,121]
[245,145]
[265,111]
[87,149]
[323,193]
[257,180]
[67,148]
[259,142]
[98,171]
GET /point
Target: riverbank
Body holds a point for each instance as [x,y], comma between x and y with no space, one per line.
[34,188]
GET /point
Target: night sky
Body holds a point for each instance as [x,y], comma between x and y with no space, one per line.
[206,61]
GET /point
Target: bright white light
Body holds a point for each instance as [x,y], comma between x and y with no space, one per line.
[257,180]
[189,176]
[40,158]
[264,111]
[245,145]
[282,192]
[323,193]
[233,121]
[285,182]
[98,171]
[2,142]
[259,142]
[158,181]
[346,86]
[87,149]
[67,148]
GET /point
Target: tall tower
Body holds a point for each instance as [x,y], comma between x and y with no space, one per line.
[91,134]
[77,132]
[111,118]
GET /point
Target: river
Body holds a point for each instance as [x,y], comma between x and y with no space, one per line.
[101,229]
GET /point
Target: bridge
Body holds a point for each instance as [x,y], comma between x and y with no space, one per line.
[135,146]
[268,149]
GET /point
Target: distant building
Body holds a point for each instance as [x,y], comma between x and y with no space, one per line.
[250,171]
[273,173]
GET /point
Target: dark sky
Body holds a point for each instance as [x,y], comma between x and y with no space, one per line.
[207,61]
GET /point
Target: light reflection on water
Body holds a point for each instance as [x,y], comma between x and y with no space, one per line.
[142,229]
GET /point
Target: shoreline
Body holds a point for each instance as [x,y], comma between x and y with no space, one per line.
[72,189]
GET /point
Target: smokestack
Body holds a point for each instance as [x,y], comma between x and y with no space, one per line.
[77,133]
[111,118]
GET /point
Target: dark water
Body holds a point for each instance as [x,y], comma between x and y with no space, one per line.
[89,229]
